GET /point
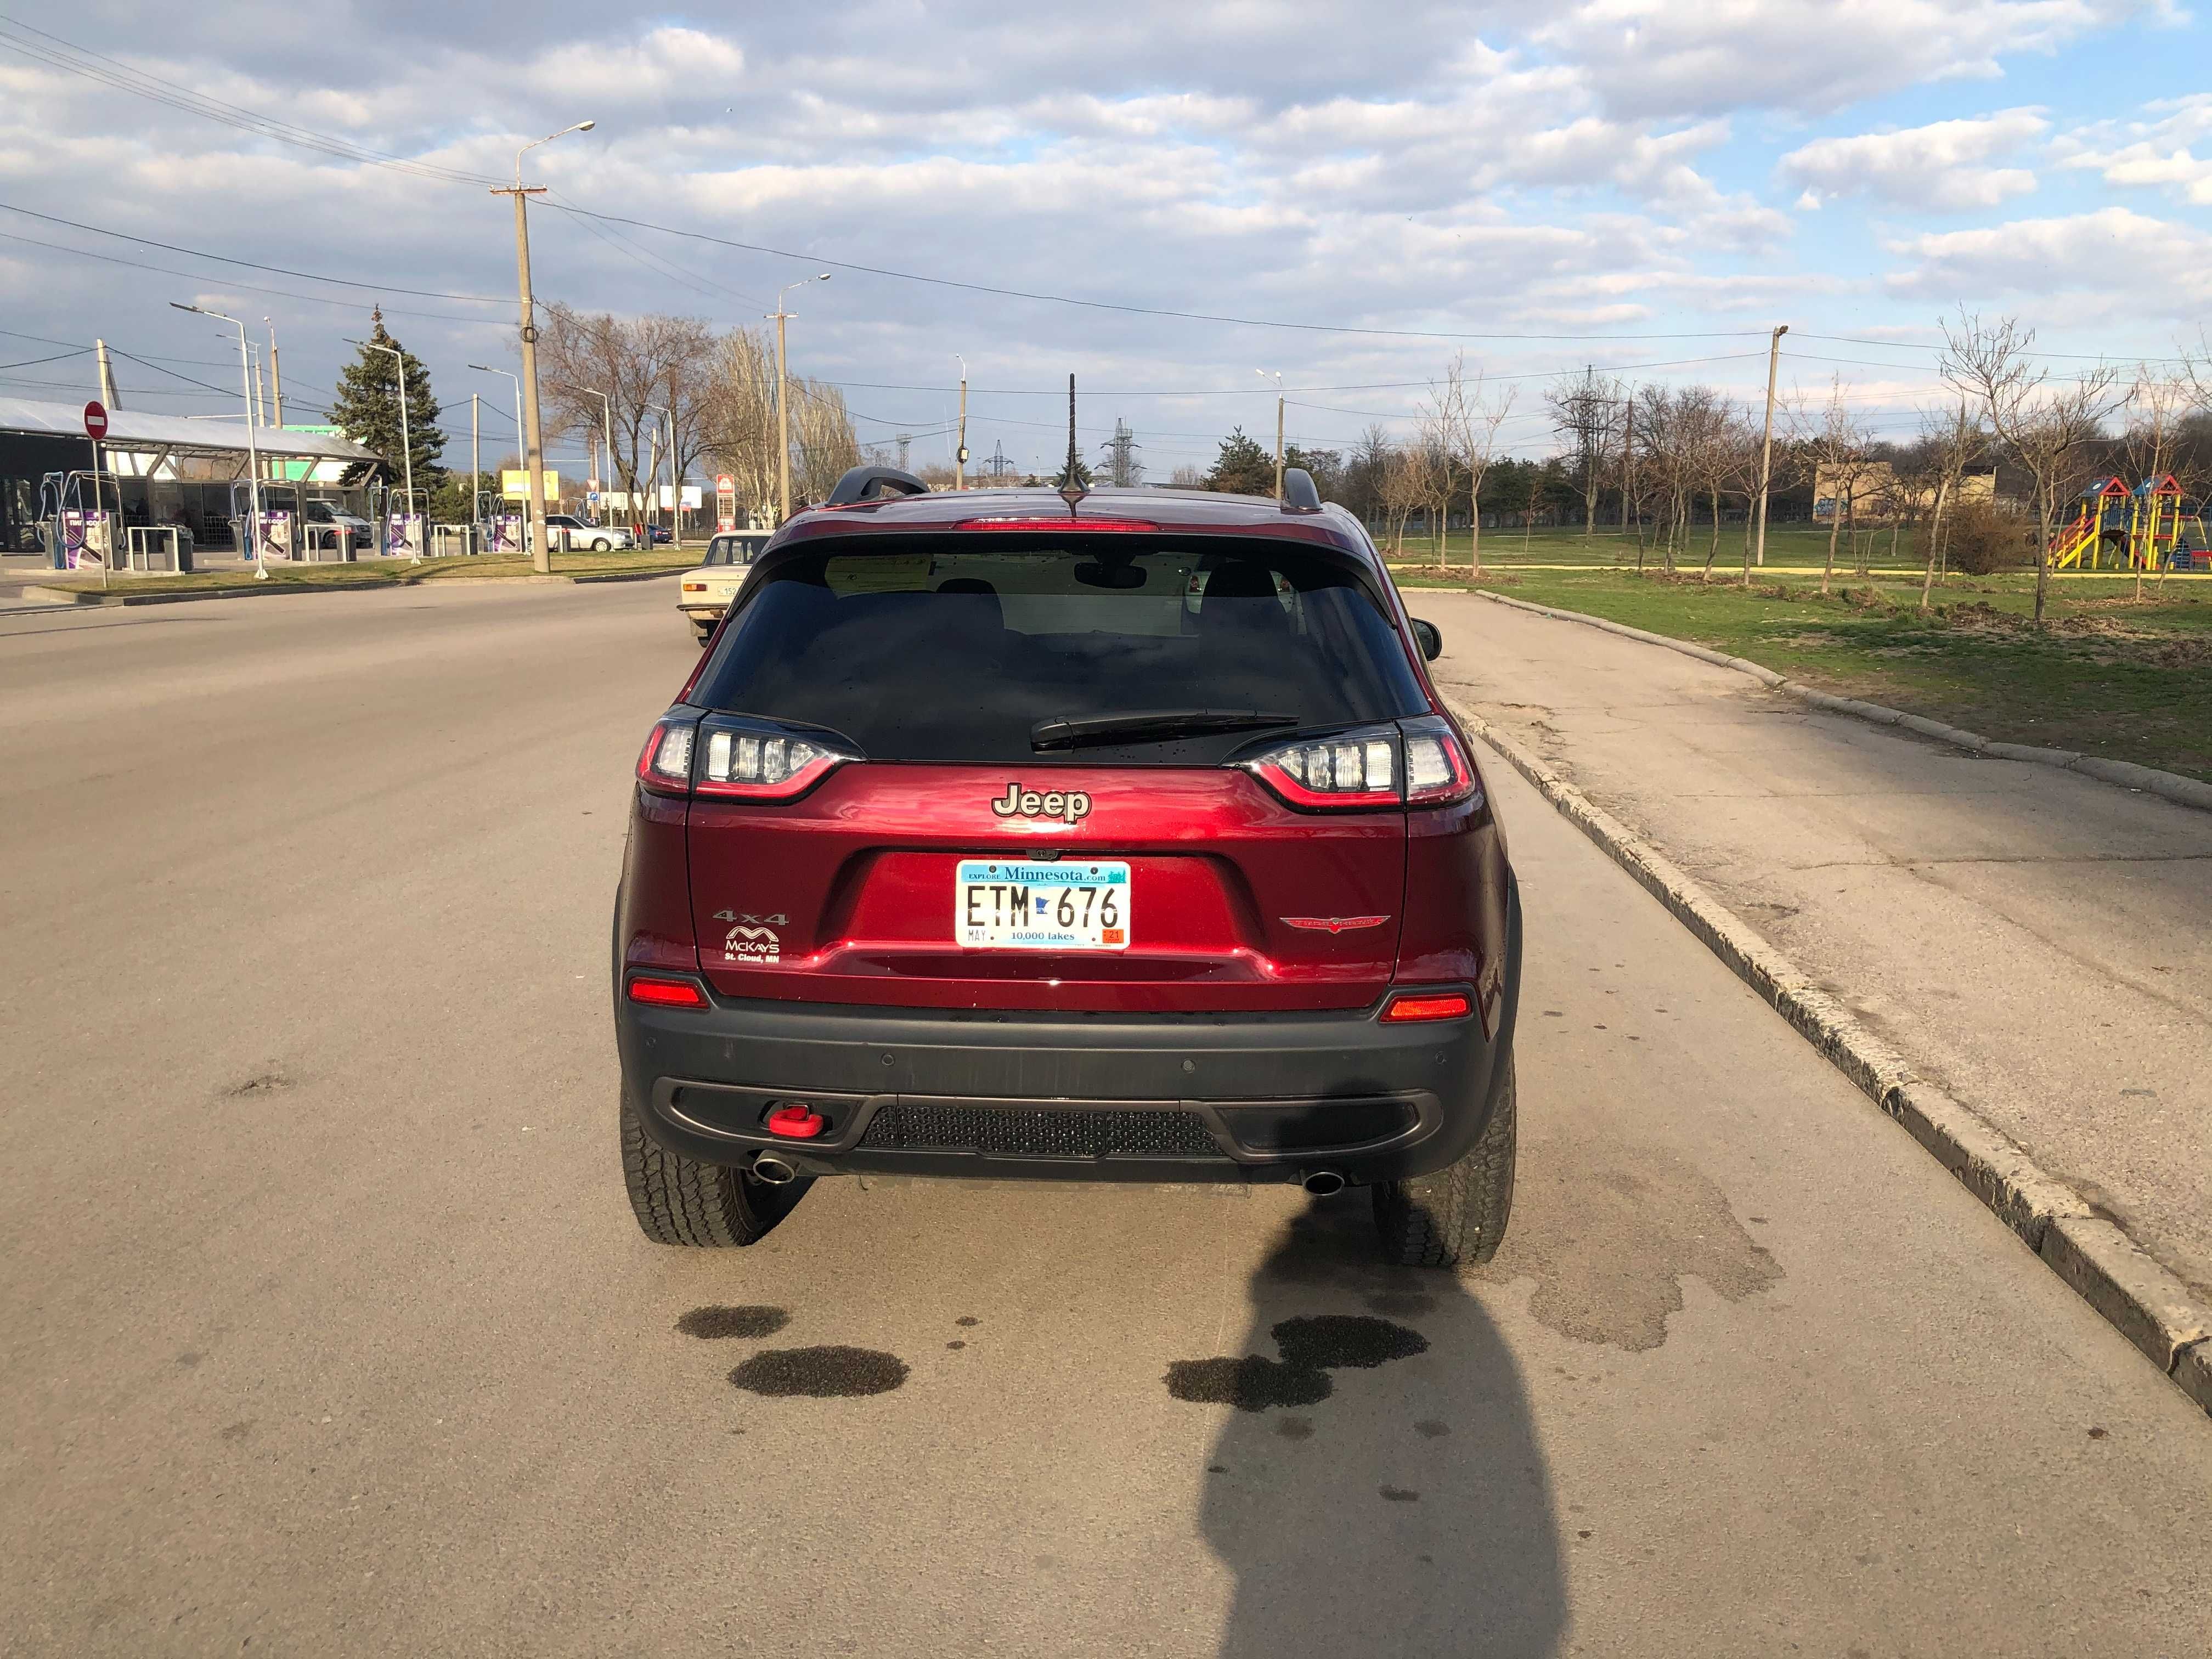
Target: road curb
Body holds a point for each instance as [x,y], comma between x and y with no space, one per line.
[2126,774]
[2140,1298]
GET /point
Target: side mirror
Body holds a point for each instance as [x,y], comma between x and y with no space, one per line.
[1432,642]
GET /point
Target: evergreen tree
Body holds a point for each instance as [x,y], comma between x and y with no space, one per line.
[1082,476]
[1243,469]
[367,409]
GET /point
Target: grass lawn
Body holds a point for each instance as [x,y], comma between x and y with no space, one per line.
[1787,544]
[2109,676]
[397,573]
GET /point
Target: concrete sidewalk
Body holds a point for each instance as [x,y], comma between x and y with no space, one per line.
[2037,943]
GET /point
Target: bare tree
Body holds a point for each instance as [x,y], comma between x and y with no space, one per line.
[644,366]
[2157,405]
[1464,421]
[1583,409]
[1403,485]
[1955,439]
[1834,444]
[2045,423]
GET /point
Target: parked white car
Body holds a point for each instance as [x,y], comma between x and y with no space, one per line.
[566,530]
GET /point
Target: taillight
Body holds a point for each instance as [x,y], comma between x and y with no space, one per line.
[665,765]
[763,765]
[737,759]
[1411,1007]
[1438,770]
[1350,771]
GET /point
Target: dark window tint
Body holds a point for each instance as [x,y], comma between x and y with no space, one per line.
[951,648]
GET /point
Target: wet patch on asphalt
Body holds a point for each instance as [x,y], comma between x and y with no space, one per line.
[822,1373]
[1311,1346]
[714,1324]
[1608,1236]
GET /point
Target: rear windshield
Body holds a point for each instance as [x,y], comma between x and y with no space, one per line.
[941,649]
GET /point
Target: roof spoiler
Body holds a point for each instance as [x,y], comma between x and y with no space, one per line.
[1298,491]
[862,483]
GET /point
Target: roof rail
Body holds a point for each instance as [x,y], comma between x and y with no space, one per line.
[860,482]
[1298,491]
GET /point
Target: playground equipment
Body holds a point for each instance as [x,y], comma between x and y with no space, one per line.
[2145,528]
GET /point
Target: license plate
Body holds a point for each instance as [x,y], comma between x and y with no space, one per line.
[1000,904]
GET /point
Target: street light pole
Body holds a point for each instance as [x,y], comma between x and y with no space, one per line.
[486,369]
[1766,443]
[252,450]
[533,448]
[406,442]
[960,452]
[783,399]
[1267,374]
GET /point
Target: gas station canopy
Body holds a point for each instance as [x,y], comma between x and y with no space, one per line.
[135,431]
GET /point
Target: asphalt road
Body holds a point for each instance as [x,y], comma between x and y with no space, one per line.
[325,1327]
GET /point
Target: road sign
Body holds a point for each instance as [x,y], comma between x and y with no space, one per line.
[95,420]
[725,485]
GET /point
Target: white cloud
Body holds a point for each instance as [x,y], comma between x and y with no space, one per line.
[2154,154]
[1943,165]
[2111,263]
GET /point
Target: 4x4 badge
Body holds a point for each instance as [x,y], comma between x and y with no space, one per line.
[1070,807]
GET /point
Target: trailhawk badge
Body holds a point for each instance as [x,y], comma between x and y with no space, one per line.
[1070,807]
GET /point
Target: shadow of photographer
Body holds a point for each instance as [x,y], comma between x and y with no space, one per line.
[1377,1488]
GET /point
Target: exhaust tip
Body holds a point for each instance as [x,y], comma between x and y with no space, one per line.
[773,1169]
[1323,1183]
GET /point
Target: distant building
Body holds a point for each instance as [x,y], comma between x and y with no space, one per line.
[1877,496]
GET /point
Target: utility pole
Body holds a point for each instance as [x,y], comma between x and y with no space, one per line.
[782,398]
[476,462]
[1628,462]
[1766,443]
[533,448]
[960,447]
[275,375]
[1267,374]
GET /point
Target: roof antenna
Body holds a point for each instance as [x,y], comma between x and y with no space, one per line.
[1073,490]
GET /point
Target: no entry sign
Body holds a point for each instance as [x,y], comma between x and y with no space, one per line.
[95,420]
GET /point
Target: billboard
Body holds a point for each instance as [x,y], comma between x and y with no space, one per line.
[514,484]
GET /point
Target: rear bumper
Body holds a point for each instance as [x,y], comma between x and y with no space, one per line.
[1099,1098]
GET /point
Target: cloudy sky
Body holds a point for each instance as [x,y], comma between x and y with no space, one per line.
[1346,193]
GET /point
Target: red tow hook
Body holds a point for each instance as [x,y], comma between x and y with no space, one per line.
[796,1121]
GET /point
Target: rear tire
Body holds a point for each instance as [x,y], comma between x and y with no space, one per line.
[680,1200]
[1458,1212]
[705,631]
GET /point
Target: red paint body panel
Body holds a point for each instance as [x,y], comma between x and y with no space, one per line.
[862,868]
[862,872]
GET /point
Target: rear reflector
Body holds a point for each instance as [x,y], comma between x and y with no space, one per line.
[665,993]
[1406,1008]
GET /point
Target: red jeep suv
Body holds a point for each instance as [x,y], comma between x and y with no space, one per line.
[1116,836]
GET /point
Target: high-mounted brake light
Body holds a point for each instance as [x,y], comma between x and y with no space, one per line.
[1087,526]
[665,993]
[1350,771]
[1408,1008]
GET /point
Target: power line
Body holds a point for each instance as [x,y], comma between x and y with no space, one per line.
[251,264]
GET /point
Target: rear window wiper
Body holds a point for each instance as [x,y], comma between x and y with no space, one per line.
[1143,724]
